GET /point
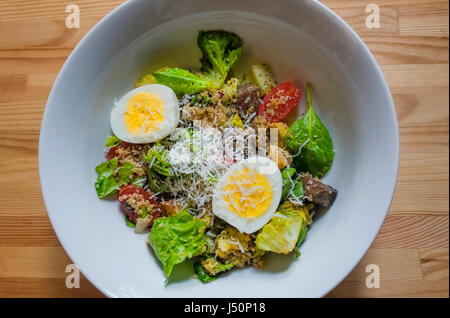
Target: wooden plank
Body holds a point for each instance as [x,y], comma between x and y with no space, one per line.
[411,45]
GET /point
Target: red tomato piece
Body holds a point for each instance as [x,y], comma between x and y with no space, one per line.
[279,102]
[112,153]
[132,214]
[130,189]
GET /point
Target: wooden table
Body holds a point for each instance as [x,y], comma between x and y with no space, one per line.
[411,46]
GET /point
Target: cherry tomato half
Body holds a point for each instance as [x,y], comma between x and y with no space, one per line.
[279,102]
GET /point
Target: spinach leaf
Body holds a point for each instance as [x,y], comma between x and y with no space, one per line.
[177,238]
[181,81]
[309,139]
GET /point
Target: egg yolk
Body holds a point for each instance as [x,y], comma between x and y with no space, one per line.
[248,194]
[144,113]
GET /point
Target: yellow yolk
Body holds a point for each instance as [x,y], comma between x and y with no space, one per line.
[144,113]
[248,194]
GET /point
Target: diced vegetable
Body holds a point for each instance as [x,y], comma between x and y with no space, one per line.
[281,233]
[309,139]
[111,177]
[220,50]
[177,238]
[181,81]
[248,98]
[229,90]
[279,102]
[262,76]
[236,121]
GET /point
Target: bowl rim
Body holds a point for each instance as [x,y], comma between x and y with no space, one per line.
[318,6]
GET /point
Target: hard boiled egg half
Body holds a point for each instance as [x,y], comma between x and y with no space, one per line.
[248,194]
[145,114]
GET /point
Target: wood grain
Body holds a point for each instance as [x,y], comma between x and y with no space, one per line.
[411,46]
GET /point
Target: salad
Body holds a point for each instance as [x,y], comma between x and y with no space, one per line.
[205,162]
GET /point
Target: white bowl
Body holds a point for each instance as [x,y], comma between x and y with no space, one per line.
[302,41]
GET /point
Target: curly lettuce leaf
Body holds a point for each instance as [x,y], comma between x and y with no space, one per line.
[281,233]
[181,81]
[177,238]
[310,137]
[111,177]
[220,51]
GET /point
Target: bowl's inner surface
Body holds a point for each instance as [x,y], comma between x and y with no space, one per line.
[115,254]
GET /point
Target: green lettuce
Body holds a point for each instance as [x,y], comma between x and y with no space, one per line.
[157,160]
[111,177]
[181,81]
[220,50]
[202,274]
[177,238]
[281,233]
[112,141]
[301,238]
[287,175]
[310,137]
[291,182]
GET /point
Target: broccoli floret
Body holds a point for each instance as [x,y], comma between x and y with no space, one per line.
[220,50]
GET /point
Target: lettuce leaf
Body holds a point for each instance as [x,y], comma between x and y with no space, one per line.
[287,176]
[220,50]
[281,233]
[177,238]
[301,238]
[111,177]
[158,161]
[112,141]
[204,276]
[181,81]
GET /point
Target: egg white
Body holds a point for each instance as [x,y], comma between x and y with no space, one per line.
[171,116]
[220,207]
